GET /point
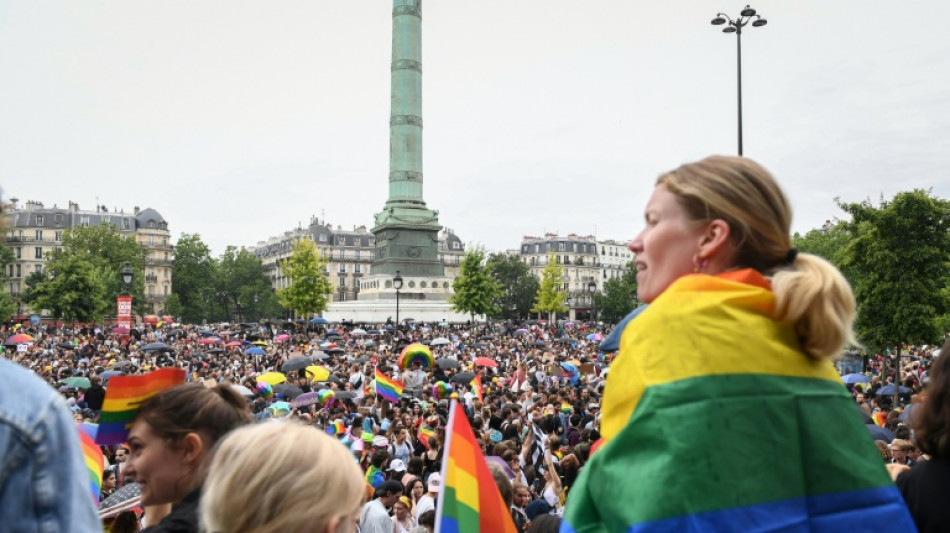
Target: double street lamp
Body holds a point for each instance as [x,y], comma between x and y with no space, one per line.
[126,276]
[397,283]
[735,26]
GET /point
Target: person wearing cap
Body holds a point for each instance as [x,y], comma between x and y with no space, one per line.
[397,469]
[427,502]
[375,515]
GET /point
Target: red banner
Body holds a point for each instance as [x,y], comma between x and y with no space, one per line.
[124,311]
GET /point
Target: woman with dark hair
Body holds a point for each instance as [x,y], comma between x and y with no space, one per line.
[172,440]
[926,485]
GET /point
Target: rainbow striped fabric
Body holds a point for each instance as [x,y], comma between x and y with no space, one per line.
[336,428]
[124,396]
[714,420]
[470,501]
[477,388]
[388,389]
[425,432]
[93,458]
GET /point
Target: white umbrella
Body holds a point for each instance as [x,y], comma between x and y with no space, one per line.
[441,341]
[358,331]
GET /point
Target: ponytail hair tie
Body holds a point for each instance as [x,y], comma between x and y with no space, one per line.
[790,257]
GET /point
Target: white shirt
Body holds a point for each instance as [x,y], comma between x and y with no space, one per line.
[425,503]
[375,518]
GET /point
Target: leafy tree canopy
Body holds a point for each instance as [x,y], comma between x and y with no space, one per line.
[518,286]
[309,287]
[550,298]
[619,296]
[475,288]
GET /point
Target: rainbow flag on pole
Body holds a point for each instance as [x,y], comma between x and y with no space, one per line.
[125,395]
[477,388]
[470,501]
[92,456]
[387,388]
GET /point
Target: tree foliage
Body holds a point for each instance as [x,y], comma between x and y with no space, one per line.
[899,260]
[550,298]
[619,296]
[193,277]
[7,305]
[517,286]
[75,292]
[309,287]
[830,241]
[476,290]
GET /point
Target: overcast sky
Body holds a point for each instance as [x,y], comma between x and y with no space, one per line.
[239,120]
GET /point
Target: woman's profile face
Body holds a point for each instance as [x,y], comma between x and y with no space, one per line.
[418,489]
[667,245]
[154,464]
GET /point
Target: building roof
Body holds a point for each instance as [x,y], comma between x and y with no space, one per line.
[149,215]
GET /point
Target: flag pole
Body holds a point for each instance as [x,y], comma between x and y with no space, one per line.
[443,472]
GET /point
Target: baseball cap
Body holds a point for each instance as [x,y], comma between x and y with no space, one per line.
[396,465]
[435,483]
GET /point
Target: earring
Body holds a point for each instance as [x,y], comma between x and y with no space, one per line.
[699,265]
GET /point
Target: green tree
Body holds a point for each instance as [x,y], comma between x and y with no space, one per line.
[900,260]
[830,241]
[75,290]
[475,289]
[550,298]
[30,284]
[7,305]
[518,286]
[309,287]
[173,306]
[194,275]
[619,296]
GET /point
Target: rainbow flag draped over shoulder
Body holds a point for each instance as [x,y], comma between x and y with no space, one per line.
[93,458]
[470,501]
[388,389]
[125,395]
[715,420]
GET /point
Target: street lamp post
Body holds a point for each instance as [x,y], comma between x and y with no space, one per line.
[123,313]
[735,26]
[568,302]
[592,289]
[397,283]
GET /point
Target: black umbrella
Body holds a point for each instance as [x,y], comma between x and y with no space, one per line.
[156,347]
[479,345]
[124,499]
[215,351]
[447,363]
[66,346]
[288,390]
[463,377]
[295,363]
[360,360]
[345,395]
[486,337]
[321,356]
[333,379]
[120,364]
[254,337]
[336,351]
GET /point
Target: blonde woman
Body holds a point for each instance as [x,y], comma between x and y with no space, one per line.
[257,484]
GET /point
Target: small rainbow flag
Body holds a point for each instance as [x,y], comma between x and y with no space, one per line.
[566,408]
[336,428]
[124,397]
[387,388]
[477,388]
[879,418]
[93,458]
[470,501]
[425,432]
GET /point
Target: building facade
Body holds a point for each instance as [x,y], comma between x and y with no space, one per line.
[583,259]
[33,231]
[349,253]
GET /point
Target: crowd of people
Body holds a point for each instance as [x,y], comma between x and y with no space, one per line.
[586,427]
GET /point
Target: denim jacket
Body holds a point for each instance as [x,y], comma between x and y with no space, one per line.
[44,484]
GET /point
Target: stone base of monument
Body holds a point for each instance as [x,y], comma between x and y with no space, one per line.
[424,299]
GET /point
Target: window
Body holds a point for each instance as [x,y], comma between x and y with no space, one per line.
[166,290]
[38,252]
[39,220]
[39,235]
[537,248]
[342,268]
[37,268]
[357,268]
[59,236]
[18,272]
[560,246]
[83,221]
[58,220]
[342,283]
[456,245]
[126,224]
[11,272]
[356,254]
[18,252]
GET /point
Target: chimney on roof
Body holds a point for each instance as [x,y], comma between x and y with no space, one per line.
[135,210]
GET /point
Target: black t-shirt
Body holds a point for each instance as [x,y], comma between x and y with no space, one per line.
[925,488]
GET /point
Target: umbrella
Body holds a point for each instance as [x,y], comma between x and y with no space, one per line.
[345,395]
[319,320]
[321,356]
[307,399]
[358,331]
[209,340]
[78,382]
[259,343]
[408,320]
[568,324]
[273,378]
[215,351]
[879,433]
[295,363]
[66,346]
[155,347]
[333,333]
[374,332]
[288,390]
[120,364]
[851,379]
[279,408]
[255,351]
[441,341]
[206,332]
[521,330]
[486,337]
[109,373]
[479,345]
[317,373]
[595,337]
[335,350]
[484,361]
[359,360]
[463,377]
[281,338]
[233,344]
[242,390]
[120,330]
[443,324]
[331,379]
[19,338]
[126,498]
[889,391]
[539,343]
[447,363]
[367,342]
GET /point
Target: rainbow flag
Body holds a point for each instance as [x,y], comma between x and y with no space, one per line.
[566,408]
[123,398]
[425,432]
[336,428]
[879,418]
[477,388]
[93,458]
[469,501]
[703,364]
[389,389]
